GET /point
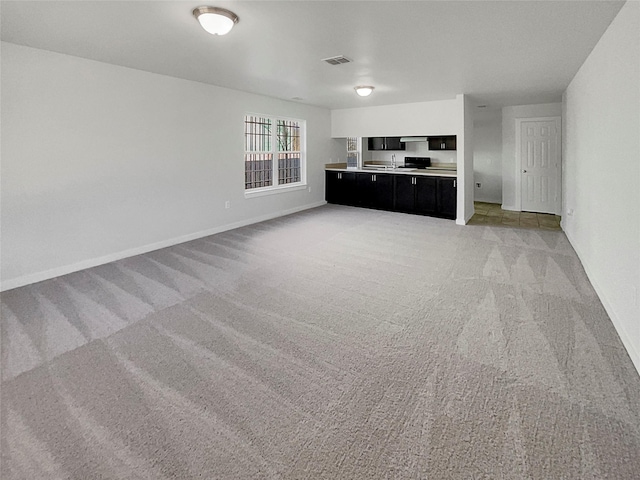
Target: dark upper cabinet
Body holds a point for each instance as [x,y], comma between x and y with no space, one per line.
[447,197]
[386,143]
[376,143]
[447,142]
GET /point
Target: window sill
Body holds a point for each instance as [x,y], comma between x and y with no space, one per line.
[261,192]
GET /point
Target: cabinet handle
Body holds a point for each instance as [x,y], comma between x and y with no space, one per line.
[455,183]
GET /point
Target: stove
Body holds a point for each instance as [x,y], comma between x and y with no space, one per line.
[416,162]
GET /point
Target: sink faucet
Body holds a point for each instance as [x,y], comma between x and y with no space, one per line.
[393,160]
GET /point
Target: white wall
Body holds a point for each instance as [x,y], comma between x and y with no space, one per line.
[465,167]
[100,162]
[487,155]
[407,119]
[509,116]
[602,172]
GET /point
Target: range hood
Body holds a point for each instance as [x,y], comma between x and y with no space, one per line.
[413,139]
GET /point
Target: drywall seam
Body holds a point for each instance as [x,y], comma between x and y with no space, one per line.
[617,323]
[112,257]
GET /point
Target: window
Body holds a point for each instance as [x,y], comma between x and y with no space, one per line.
[269,138]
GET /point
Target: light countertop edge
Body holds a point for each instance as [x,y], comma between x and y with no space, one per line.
[399,171]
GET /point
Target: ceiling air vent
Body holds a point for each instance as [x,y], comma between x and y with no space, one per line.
[336,60]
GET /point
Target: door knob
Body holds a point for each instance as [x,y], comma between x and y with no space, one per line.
[524,171]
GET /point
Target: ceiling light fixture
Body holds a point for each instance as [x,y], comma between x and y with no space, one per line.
[216,21]
[364,90]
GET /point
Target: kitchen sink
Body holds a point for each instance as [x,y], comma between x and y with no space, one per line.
[378,167]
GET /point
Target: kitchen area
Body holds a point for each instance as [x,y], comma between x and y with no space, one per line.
[441,130]
[410,174]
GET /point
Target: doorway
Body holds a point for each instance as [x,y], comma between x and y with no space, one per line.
[538,163]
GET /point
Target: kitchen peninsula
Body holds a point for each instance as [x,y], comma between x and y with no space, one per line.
[430,191]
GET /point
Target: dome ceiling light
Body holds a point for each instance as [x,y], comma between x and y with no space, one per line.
[364,90]
[216,21]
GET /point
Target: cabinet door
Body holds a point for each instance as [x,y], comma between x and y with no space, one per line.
[332,187]
[435,143]
[443,143]
[376,143]
[450,142]
[375,190]
[341,188]
[349,189]
[405,193]
[366,187]
[383,192]
[447,197]
[426,195]
[394,143]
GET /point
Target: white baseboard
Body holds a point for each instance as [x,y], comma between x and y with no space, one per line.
[94,262]
[632,349]
[486,200]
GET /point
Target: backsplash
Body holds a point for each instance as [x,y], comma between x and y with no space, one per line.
[413,149]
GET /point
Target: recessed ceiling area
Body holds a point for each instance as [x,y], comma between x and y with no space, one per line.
[499,53]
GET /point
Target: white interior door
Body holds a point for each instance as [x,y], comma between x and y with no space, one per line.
[540,165]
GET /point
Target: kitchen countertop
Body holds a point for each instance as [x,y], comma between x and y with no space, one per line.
[431,172]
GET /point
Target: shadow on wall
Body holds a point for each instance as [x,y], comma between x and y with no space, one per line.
[487,155]
[489,189]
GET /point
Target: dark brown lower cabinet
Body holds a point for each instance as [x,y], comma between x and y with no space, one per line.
[341,188]
[375,190]
[416,194]
[447,197]
[426,195]
[405,194]
[419,194]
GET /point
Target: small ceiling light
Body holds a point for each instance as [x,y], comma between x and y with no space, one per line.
[364,90]
[216,21]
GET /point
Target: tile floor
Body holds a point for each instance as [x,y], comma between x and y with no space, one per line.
[492,214]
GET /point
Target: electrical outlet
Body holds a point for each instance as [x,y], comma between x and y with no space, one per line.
[309,189]
[227,204]
[478,185]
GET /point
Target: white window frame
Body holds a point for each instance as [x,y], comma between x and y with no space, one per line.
[276,187]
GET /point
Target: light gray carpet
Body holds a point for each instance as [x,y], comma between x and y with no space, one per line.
[334,343]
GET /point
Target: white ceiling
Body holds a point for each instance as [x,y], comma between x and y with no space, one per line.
[500,53]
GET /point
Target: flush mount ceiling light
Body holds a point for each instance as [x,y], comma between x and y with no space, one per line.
[364,90]
[216,21]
